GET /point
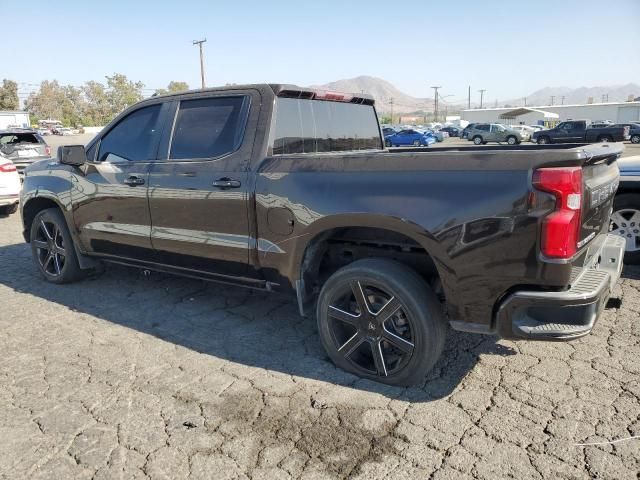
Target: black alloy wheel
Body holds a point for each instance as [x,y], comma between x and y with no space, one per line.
[378,319]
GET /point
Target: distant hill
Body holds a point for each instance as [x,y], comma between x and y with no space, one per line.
[383,92]
[613,93]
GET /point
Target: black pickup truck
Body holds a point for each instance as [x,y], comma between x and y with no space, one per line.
[278,187]
[578,131]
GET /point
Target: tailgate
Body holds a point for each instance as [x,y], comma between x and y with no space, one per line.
[601,177]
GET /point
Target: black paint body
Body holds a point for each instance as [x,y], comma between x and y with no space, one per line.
[472,209]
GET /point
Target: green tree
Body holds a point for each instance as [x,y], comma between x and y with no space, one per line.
[173,87]
[47,102]
[98,110]
[9,95]
[122,92]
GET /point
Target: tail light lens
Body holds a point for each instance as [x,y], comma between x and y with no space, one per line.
[47,150]
[8,167]
[561,228]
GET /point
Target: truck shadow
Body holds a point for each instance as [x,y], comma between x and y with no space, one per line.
[248,327]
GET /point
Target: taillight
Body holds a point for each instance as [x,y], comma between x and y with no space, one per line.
[8,167]
[561,228]
[47,150]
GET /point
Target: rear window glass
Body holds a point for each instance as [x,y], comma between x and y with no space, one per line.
[314,126]
[15,138]
[209,127]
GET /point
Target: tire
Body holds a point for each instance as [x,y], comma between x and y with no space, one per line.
[387,143]
[7,210]
[635,139]
[511,140]
[408,343]
[477,140]
[52,248]
[543,140]
[605,139]
[625,222]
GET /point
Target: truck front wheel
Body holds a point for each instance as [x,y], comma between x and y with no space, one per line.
[380,320]
[52,247]
[543,140]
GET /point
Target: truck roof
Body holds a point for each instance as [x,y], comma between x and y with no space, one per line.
[284,90]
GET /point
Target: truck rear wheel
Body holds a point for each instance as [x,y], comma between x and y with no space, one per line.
[52,247]
[635,139]
[477,140]
[380,320]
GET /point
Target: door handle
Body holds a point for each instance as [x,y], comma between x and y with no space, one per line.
[133,180]
[225,182]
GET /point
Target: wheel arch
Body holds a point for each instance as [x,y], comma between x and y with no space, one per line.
[36,204]
[312,247]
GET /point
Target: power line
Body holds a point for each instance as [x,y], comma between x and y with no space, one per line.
[435,103]
[482,95]
[199,43]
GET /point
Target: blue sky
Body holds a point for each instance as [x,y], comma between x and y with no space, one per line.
[510,48]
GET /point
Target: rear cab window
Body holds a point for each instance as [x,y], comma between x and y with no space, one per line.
[319,126]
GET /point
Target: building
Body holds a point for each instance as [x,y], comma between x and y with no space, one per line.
[549,115]
[14,119]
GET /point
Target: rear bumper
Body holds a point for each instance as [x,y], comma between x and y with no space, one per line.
[9,199]
[568,314]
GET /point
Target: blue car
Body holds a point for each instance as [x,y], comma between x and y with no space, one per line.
[410,137]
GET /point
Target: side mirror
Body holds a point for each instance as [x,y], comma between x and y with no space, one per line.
[72,155]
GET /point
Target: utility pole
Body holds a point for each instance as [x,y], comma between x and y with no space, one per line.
[391,105]
[482,95]
[562,100]
[525,101]
[553,97]
[199,43]
[435,103]
[469,98]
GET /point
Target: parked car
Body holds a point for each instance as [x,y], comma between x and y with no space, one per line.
[386,131]
[525,131]
[483,133]
[466,129]
[537,128]
[578,131]
[23,147]
[43,131]
[9,186]
[413,137]
[387,247]
[634,131]
[625,219]
[452,131]
[437,134]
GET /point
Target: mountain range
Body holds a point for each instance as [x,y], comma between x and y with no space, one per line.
[389,98]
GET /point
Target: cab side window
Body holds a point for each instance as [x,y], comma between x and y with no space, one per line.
[134,138]
[209,127]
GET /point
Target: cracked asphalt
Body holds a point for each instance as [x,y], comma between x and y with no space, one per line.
[131,376]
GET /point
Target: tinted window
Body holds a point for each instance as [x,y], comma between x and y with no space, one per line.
[483,127]
[134,138]
[310,126]
[209,127]
[15,138]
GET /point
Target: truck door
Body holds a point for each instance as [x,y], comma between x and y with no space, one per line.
[199,188]
[109,194]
